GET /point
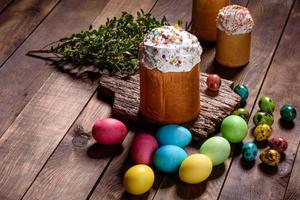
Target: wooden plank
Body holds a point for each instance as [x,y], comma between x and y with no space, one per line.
[22,76]
[76,176]
[18,21]
[263,47]
[283,70]
[4,4]
[110,185]
[293,189]
[30,140]
[214,108]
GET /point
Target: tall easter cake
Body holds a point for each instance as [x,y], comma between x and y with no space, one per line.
[204,18]
[234,27]
[169,75]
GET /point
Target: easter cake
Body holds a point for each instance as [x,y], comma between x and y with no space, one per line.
[169,75]
[204,18]
[234,27]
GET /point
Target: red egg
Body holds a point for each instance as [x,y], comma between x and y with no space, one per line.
[213,82]
[109,131]
[278,143]
[142,148]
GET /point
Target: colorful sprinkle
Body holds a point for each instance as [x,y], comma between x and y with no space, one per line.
[170,49]
[234,19]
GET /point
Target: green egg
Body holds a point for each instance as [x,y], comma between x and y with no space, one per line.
[234,128]
[266,104]
[217,149]
[242,112]
[263,118]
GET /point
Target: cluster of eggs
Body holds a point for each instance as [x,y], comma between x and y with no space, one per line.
[263,120]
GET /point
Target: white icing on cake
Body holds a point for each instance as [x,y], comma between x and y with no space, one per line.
[170,49]
[234,20]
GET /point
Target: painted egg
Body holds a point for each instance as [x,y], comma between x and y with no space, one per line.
[138,179]
[278,143]
[242,112]
[270,157]
[213,82]
[109,131]
[173,134]
[288,112]
[263,118]
[217,149]
[168,158]
[262,132]
[266,104]
[249,151]
[234,128]
[243,91]
[142,148]
[195,169]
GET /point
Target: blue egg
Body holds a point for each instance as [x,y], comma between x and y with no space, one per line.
[249,151]
[168,158]
[174,135]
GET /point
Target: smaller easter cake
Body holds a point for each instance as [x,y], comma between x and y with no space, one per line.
[234,27]
[169,75]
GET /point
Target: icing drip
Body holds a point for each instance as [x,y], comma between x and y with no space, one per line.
[170,49]
[234,19]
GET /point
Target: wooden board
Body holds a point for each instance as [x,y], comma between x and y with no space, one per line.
[22,75]
[270,17]
[214,107]
[15,29]
[282,84]
[293,190]
[77,163]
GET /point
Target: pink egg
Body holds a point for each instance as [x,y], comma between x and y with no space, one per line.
[142,148]
[213,82]
[278,143]
[109,131]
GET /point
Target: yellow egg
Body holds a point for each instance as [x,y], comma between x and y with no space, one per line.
[195,168]
[138,179]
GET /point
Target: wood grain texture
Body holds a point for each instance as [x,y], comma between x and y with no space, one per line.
[78,162]
[18,21]
[263,47]
[31,139]
[293,189]
[4,4]
[111,183]
[22,75]
[284,70]
[214,108]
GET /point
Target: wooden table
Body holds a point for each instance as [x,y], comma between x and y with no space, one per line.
[43,154]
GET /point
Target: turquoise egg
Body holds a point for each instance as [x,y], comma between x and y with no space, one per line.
[288,112]
[249,151]
[243,91]
[263,118]
[168,158]
[173,134]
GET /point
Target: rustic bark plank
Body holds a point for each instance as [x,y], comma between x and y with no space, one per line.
[22,76]
[75,166]
[18,21]
[293,189]
[284,71]
[213,108]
